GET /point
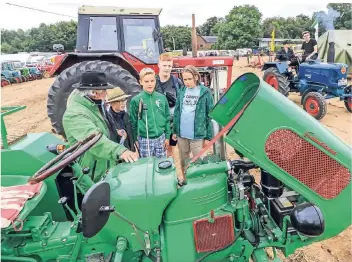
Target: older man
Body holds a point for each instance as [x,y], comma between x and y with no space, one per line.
[84,116]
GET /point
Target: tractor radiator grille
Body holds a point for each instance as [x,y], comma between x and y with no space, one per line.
[213,236]
[306,163]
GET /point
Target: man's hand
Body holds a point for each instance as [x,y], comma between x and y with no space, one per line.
[129,156]
[167,143]
[174,137]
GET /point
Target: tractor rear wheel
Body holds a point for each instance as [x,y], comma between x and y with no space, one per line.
[348,100]
[278,81]
[315,105]
[62,87]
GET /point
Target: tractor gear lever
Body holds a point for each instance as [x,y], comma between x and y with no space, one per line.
[63,201]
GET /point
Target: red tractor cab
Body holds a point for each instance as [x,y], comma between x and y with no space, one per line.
[119,42]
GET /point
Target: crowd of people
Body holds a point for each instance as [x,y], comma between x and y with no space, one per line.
[168,113]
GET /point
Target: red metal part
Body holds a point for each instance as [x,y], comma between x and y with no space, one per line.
[138,64]
[312,106]
[308,164]
[179,62]
[213,236]
[58,61]
[272,80]
[207,61]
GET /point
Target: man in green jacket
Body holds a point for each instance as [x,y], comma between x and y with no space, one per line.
[84,117]
[150,118]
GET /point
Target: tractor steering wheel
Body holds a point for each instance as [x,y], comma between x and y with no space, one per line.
[67,158]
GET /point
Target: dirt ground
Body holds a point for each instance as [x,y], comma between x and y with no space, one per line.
[34,119]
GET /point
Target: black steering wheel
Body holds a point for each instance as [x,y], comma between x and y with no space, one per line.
[67,158]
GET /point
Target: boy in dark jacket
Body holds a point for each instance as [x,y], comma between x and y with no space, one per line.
[168,85]
[118,118]
[150,117]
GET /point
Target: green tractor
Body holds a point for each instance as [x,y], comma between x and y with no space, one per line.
[141,212]
[25,75]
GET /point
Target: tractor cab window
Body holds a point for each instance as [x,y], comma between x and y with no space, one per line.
[138,37]
[103,34]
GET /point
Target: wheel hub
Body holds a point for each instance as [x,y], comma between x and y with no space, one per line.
[312,106]
[271,80]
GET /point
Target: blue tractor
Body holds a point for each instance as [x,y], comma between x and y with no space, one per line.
[314,80]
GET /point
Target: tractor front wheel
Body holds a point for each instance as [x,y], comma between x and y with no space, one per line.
[62,87]
[348,100]
[315,105]
[5,82]
[278,81]
[18,80]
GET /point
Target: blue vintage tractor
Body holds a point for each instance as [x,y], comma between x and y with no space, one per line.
[314,80]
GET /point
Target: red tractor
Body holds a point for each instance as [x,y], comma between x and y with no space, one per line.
[120,42]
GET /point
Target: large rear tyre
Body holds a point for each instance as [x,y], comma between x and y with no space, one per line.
[348,100]
[62,87]
[315,105]
[279,82]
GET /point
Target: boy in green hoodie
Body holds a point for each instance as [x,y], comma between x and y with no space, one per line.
[150,118]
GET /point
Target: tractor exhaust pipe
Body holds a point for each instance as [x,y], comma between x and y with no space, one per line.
[219,146]
[194,36]
[331,49]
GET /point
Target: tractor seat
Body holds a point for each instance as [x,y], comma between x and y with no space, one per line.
[18,200]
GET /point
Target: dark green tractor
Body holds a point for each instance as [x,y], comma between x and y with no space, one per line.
[141,212]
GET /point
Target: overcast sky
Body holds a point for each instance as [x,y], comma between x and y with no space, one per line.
[177,12]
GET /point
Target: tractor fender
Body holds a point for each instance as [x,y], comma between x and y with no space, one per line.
[69,59]
[280,66]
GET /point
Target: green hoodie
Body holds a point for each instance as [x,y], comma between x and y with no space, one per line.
[81,119]
[203,128]
[158,113]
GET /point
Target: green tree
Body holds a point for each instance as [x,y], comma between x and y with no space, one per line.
[240,29]
[182,35]
[290,28]
[40,39]
[206,29]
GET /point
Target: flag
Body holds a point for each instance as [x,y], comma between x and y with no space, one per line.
[272,44]
[316,26]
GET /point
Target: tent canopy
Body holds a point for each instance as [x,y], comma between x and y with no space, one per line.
[343,46]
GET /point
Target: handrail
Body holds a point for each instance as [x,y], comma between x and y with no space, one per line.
[8,110]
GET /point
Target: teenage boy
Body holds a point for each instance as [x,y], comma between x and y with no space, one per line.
[150,117]
[169,86]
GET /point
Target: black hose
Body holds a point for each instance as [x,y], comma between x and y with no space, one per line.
[238,163]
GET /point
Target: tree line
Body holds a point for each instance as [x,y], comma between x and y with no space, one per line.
[240,28]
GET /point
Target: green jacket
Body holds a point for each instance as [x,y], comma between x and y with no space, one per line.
[203,128]
[158,113]
[81,119]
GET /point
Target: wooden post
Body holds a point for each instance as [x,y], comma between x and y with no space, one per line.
[194,36]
